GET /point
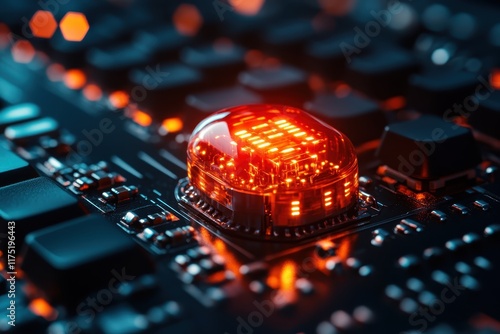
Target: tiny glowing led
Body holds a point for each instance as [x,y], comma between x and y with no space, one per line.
[173,124]
[269,167]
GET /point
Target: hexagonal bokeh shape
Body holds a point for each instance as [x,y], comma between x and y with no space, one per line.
[74,26]
[43,24]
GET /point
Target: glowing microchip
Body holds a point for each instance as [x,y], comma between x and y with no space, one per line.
[267,167]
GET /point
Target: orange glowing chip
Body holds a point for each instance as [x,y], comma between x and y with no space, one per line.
[43,24]
[74,26]
[269,167]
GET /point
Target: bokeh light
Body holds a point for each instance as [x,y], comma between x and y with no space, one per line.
[23,51]
[187,20]
[74,26]
[43,24]
[74,79]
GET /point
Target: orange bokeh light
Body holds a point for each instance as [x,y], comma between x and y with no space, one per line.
[339,7]
[288,276]
[495,79]
[43,24]
[173,124]
[23,52]
[74,79]
[394,103]
[254,58]
[342,90]
[246,7]
[316,83]
[74,26]
[141,118]
[41,308]
[118,99]
[92,92]
[4,35]
[187,20]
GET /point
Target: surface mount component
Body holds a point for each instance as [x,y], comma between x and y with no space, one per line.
[269,169]
[428,153]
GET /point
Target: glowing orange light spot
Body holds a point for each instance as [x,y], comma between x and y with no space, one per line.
[421,196]
[41,308]
[74,79]
[43,24]
[118,99]
[231,262]
[342,90]
[92,92]
[339,7]
[254,58]
[246,7]
[495,79]
[345,247]
[74,26]
[316,83]
[394,103]
[368,146]
[288,276]
[23,52]
[4,35]
[173,124]
[141,118]
[55,72]
[187,20]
